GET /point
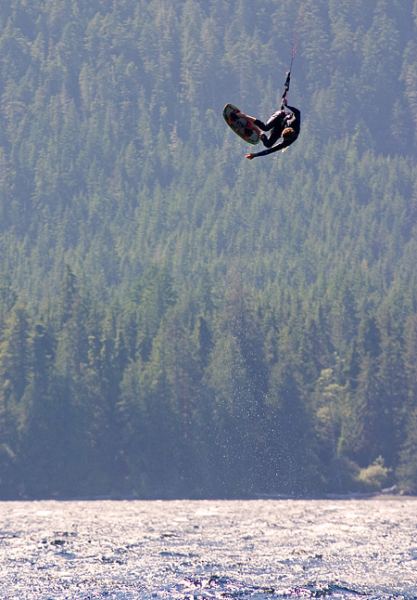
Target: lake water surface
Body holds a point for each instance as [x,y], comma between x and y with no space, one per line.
[259,549]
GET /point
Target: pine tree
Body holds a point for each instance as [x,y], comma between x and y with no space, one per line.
[15,364]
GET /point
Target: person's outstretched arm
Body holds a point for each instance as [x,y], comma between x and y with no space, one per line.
[280,146]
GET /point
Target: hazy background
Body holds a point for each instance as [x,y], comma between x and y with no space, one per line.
[175,320]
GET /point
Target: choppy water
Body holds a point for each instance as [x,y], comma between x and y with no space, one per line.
[263,549]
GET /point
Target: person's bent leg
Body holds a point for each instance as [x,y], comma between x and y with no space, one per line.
[273,138]
[261,125]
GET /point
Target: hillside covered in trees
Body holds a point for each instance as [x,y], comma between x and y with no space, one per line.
[174,319]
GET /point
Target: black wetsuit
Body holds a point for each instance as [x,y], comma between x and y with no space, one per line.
[278,122]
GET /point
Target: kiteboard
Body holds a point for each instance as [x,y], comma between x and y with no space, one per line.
[241,124]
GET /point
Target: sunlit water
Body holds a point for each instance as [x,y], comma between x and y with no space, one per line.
[209,549]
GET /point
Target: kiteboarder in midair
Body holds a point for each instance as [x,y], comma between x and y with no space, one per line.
[284,123]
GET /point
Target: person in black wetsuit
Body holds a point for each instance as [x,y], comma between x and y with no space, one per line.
[284,124]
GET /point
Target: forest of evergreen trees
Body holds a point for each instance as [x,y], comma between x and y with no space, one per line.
[176,321]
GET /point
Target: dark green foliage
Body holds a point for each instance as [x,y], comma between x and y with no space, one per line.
[177,321]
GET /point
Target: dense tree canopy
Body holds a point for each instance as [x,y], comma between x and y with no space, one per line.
[176,320]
